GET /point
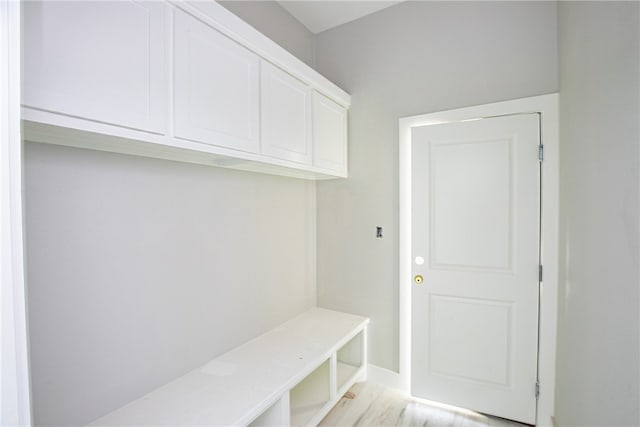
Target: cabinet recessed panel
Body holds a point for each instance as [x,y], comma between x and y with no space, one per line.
[286,118]
[75,63]
[216,87]
[329,134]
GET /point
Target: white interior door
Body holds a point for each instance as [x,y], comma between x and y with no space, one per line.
[475,242]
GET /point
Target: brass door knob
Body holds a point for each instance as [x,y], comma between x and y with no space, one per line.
[418,279]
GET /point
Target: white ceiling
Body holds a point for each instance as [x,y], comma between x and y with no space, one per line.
[321,15]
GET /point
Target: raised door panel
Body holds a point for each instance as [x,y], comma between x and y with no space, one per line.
[329,135]
[476,209]
[286,116]
[216,87]
[103,61]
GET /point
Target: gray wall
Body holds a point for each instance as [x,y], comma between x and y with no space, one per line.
[598,331]
[140,270]
[275,22]
[414,58]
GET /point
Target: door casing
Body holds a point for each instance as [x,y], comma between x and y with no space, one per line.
[547,107]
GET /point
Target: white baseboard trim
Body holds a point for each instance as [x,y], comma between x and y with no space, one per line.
[385,377]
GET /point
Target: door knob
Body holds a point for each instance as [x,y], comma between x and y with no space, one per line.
[418,279]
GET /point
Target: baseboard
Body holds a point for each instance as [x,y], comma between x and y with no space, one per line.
[385,377]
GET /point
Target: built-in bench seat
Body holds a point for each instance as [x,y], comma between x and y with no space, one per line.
[291,375]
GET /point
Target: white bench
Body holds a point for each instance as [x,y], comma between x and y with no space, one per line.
[291,375]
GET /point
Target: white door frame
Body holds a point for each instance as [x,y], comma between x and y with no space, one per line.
[547,107]
[15,401]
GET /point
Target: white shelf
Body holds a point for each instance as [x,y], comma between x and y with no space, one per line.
[346,373]
[277,415]
[51,128]
[350,358]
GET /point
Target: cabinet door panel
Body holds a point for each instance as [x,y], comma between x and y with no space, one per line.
[216,87]
[329,135]
[286,116]
[99,60]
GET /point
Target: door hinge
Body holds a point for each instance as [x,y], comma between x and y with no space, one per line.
[540,273]
[540,152]
[537,389]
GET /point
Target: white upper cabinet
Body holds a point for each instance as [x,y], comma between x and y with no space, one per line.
[286,116]
[329,135]
[179,80]
[216,87]
[102,61]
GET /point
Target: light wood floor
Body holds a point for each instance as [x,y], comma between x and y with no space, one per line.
[374,405]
